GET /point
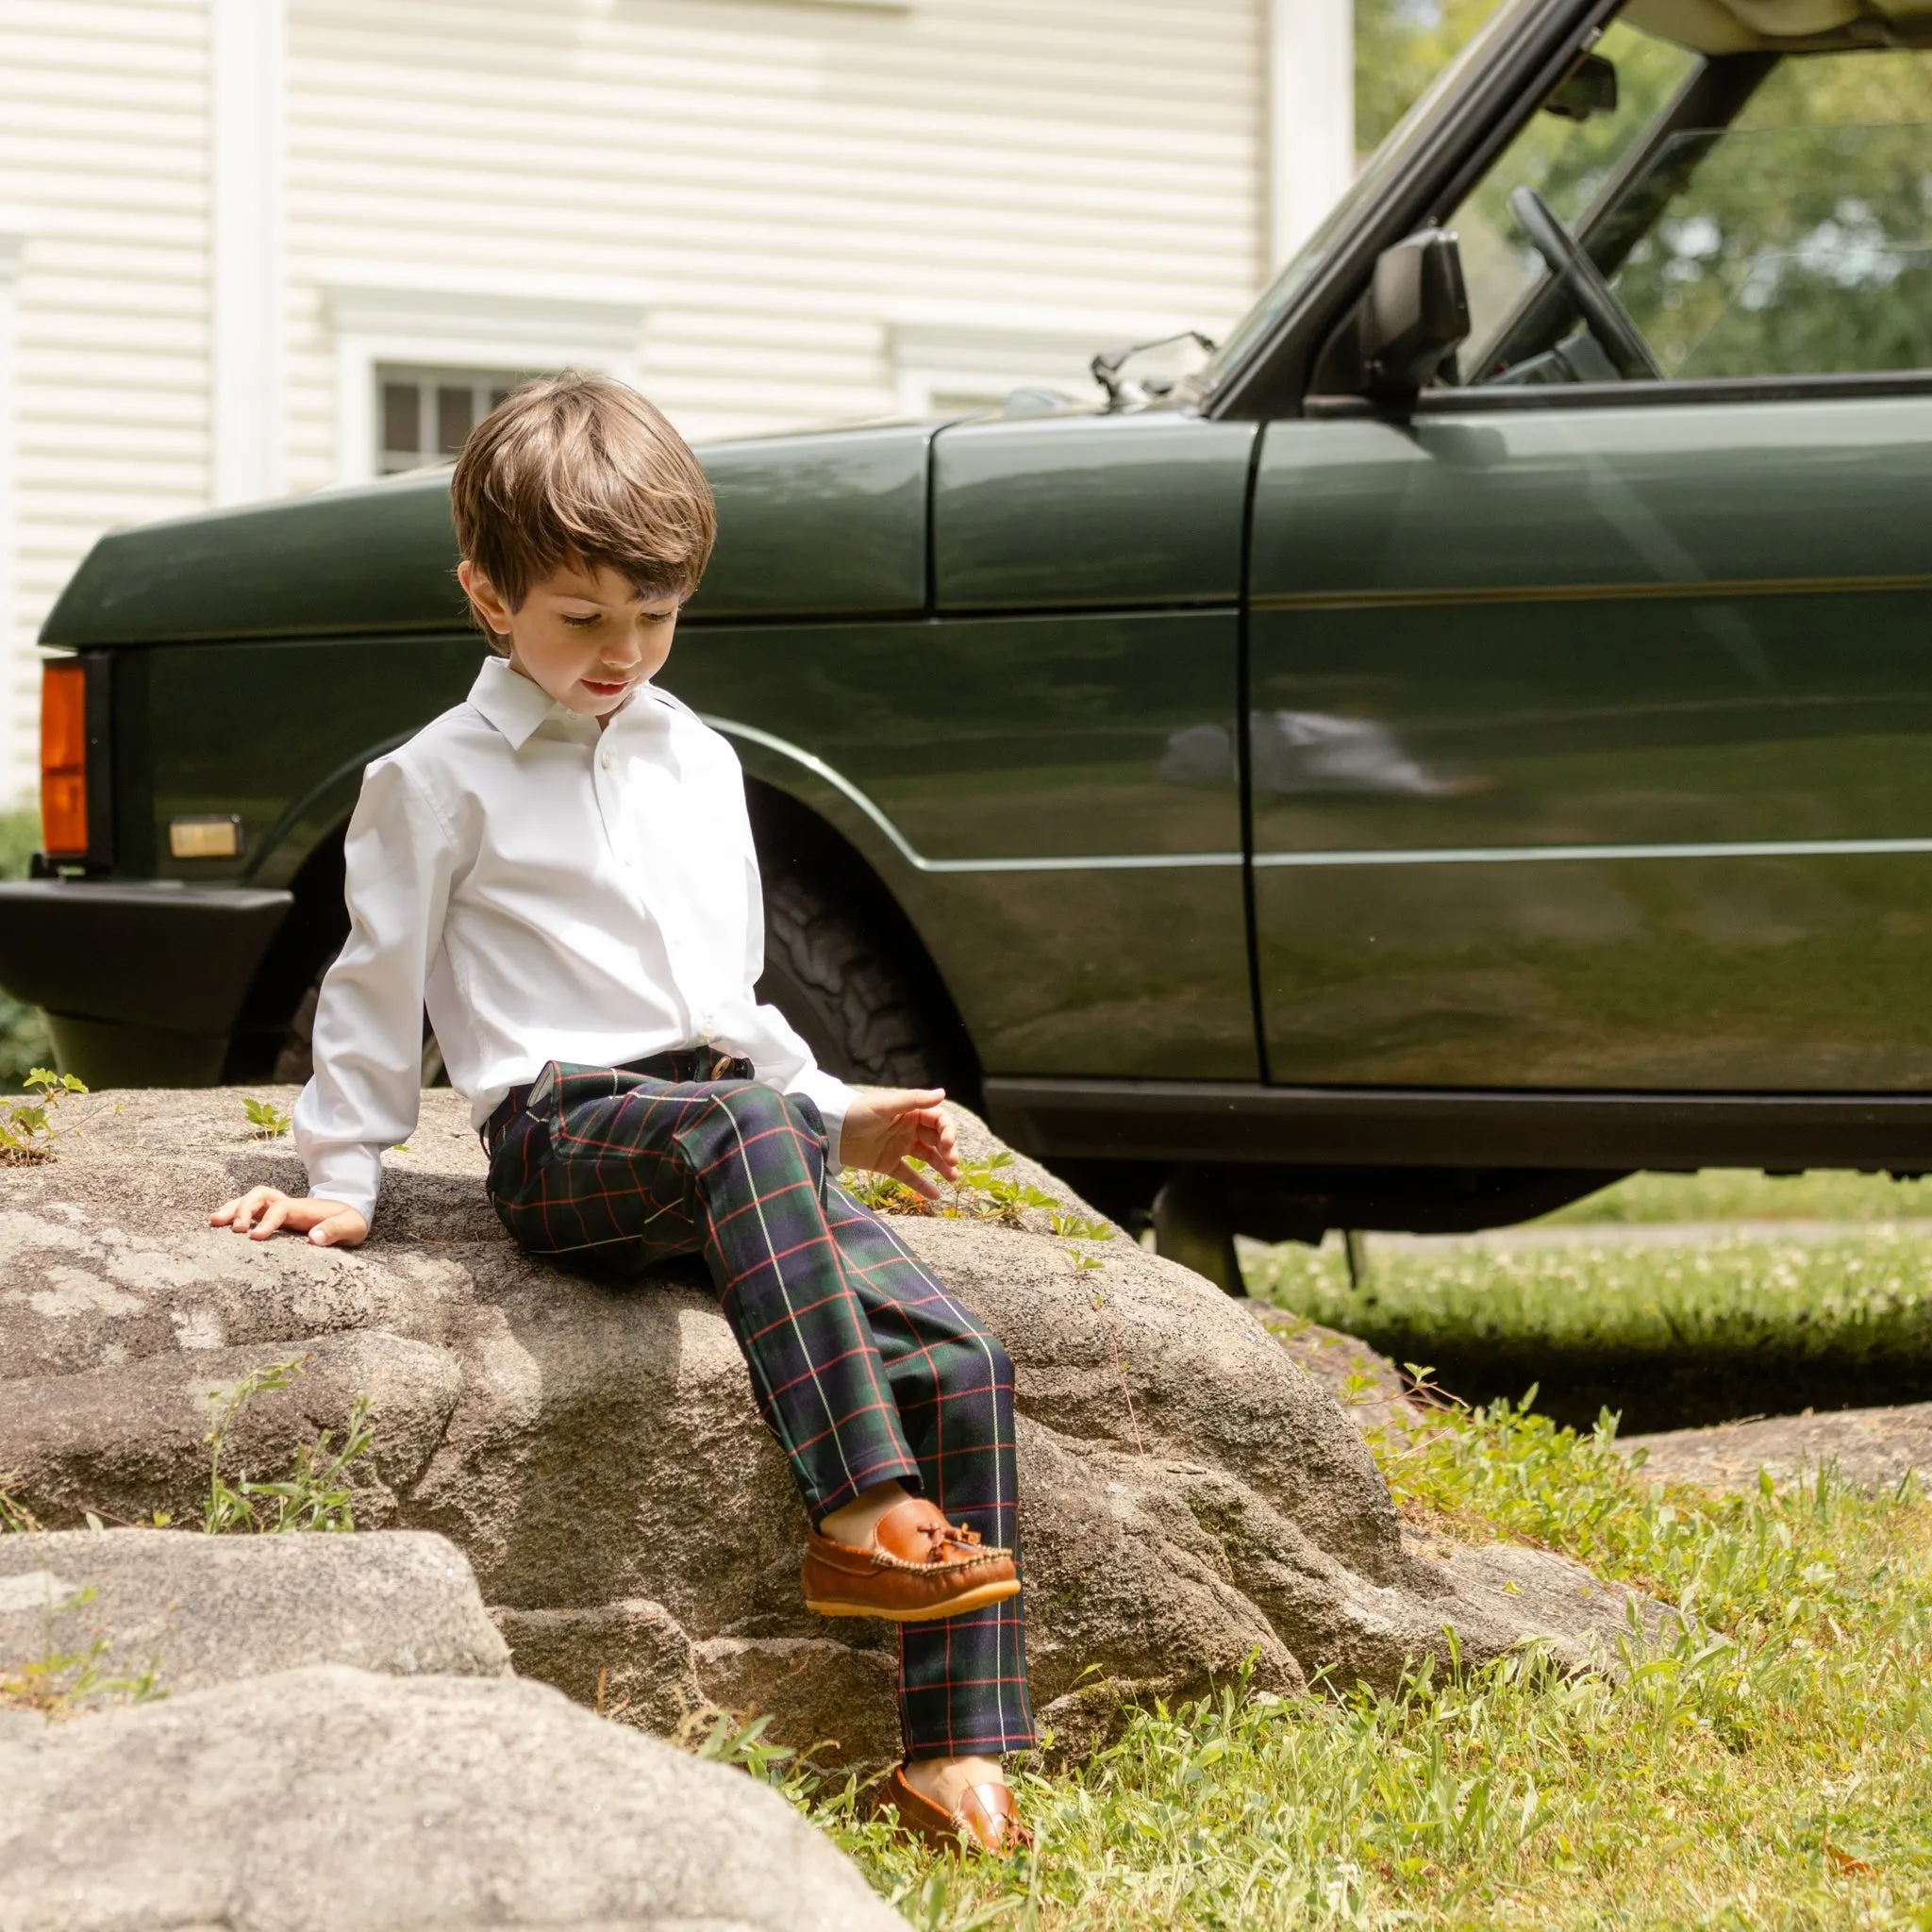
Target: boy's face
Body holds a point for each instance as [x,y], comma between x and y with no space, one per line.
[586,637]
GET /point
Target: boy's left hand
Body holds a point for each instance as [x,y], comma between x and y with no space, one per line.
[884,1124]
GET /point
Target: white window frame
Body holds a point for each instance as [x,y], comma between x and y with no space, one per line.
[427,379]
[453,327]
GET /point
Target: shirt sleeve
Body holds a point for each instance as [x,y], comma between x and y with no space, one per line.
[365,1091]
[781,1057]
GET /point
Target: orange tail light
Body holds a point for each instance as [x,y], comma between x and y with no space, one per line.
[63,761]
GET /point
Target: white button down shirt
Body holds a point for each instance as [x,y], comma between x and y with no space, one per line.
[550,893]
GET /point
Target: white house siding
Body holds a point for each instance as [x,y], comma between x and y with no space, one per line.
[767,213]
[811,211]
[104,181]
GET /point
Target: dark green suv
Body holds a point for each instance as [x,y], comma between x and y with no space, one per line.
[1465,741]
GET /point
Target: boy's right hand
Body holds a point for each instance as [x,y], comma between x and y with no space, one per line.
[262,1212]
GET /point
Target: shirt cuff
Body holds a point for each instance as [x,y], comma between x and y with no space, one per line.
[832,1097]
[351,1174]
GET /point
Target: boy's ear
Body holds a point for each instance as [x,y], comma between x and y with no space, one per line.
[485,604]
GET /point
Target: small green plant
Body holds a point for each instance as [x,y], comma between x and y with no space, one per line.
[737,1738]
[15,1517]
[57,1682]
[882,1193]
[1005,1199]
[1077,1227]
[313,1497]
[269,1121]
[982,1192]
[27,1131]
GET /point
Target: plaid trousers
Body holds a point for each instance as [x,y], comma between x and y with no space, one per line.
[864,1367]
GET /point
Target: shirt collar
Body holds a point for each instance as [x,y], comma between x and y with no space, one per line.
[518,707]
[510,700]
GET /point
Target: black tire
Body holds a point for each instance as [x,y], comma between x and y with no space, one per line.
[863,1017]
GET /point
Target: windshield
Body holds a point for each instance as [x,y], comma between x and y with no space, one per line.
[1388,162]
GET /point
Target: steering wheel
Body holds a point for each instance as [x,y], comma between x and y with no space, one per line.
[1607,318]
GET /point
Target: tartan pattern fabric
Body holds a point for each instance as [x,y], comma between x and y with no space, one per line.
[864,1367]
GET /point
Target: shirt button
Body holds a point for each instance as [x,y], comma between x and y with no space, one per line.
[604,759]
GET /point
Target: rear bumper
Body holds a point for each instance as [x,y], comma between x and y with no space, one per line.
[140,982]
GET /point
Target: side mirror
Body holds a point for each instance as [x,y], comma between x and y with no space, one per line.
[1408,324]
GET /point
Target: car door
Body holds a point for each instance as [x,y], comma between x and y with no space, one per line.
[1064,741]
[1590,719]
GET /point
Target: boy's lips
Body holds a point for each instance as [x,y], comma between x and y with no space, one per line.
[607,687]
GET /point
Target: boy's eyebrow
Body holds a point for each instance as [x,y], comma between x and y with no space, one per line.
[663,605]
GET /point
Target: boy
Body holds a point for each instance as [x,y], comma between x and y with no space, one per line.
[561,870]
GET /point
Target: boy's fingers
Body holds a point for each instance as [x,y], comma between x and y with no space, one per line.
[239,1213]
[911,1177]
[272,1218]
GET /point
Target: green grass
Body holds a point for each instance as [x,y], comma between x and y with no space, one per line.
[1729,1193]
[1764,1763]
[24,1042]
[1666,1332]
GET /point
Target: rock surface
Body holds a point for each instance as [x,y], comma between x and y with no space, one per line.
[1874,1448]
[192,1610]
[330,1797]
[1189,1496]
[1367,1384]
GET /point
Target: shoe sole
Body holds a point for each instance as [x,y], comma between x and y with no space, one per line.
[953,1606]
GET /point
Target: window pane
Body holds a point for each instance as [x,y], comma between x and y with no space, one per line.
[1795,240]
[1566,162]
[401,430]
[455,417]
[425,412]
[1800,249]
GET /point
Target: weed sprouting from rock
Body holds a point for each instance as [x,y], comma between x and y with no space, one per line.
[27,1129]
[269,1121]
[315,1495]
[57,1682]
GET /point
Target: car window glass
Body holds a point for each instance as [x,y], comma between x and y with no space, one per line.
[1790,235]
[1568,162]
[1801,242]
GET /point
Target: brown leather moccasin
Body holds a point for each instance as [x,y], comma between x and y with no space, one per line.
[986,1819]
[919,1567]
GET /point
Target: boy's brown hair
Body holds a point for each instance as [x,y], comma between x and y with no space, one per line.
[578,468]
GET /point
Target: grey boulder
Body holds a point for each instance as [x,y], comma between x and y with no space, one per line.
[330,1797]
[186,1610]
[1190,1498]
